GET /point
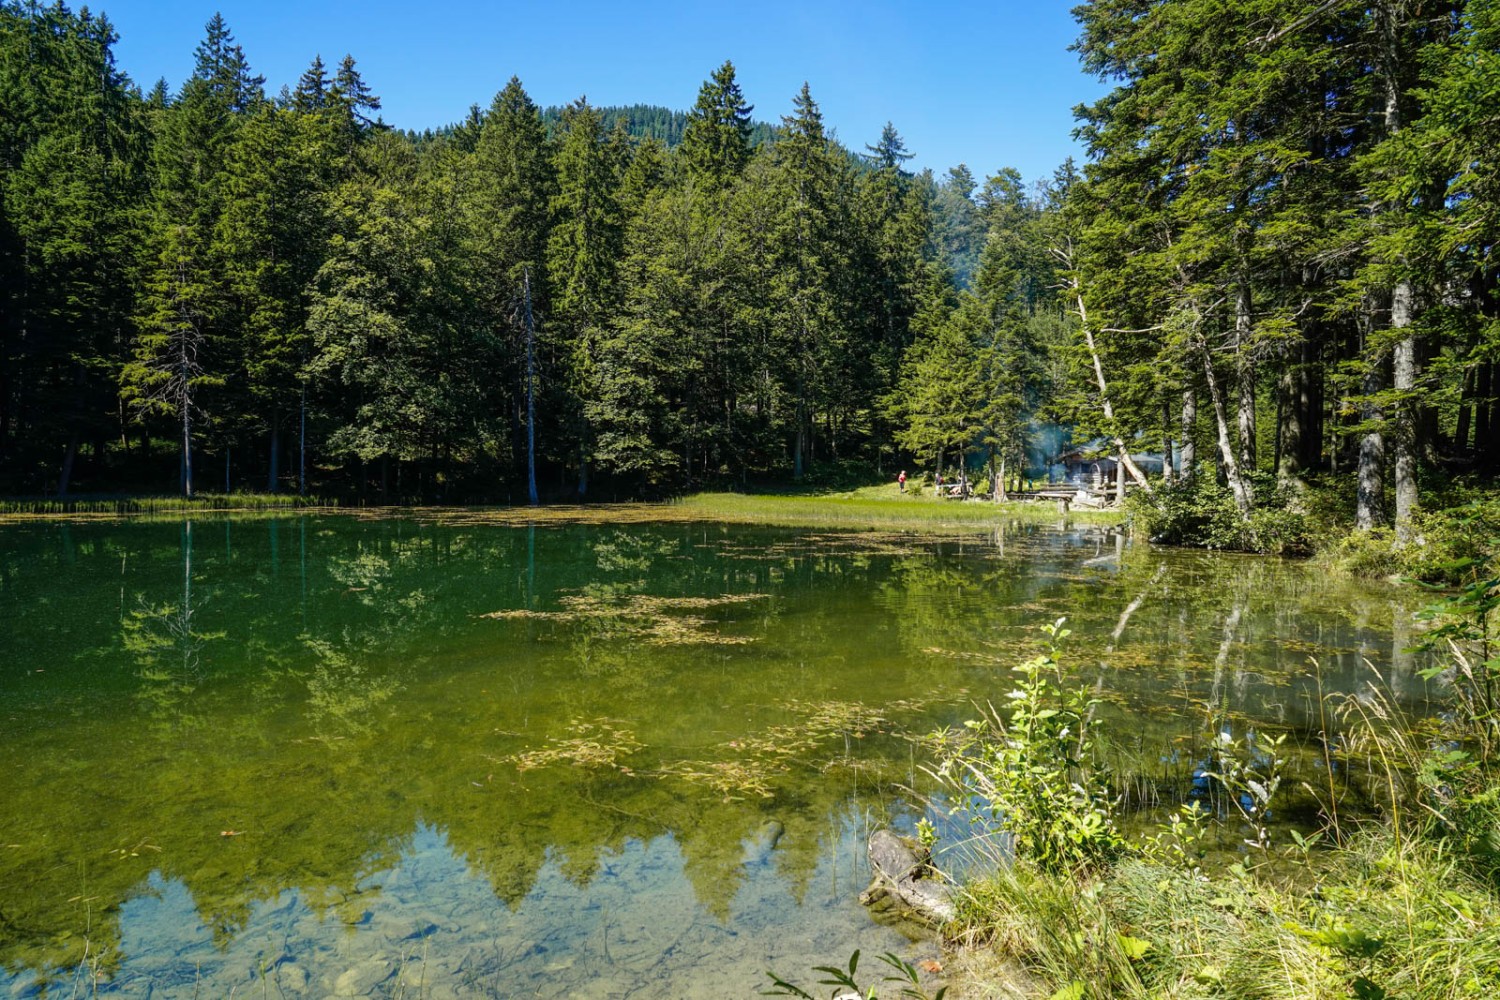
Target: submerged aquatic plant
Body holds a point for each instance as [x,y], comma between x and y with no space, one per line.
[658,621]
[596,744]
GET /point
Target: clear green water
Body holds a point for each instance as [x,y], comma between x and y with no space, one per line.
[306,757]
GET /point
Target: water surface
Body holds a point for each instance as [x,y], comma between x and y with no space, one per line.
[329,755]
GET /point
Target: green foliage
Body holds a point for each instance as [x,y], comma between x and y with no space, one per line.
[1038,769]
[841,979]
[1405,910]
[1453,546]
[1202,513]
[715,304]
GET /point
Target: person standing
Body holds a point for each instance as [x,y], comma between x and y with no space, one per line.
[901,481]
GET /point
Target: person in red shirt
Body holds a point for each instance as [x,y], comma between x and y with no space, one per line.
[901,480]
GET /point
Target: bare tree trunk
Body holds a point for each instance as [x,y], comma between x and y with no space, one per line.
[1404,426]
[1166,440]
[1121,480]
[1189,458]
[1244,376]
[1243,498]
[302,442]
[1109,410]
[1389,15]
[187,448]
[1371,470]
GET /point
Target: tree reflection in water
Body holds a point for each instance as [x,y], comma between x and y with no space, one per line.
[354,724]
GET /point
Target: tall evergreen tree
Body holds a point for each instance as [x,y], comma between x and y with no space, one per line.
[716,136]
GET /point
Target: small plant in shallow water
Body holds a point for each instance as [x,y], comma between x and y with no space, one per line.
[1249,775]
[1040,771]
[845,985]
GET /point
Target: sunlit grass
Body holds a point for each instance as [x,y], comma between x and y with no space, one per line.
[879,506]
[118,505]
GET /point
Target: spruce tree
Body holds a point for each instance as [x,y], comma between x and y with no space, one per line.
[716,137]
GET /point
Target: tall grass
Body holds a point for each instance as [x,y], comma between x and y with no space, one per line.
[159,504]
[1401,903]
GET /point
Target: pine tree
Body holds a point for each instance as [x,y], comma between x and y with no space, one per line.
[507,200]
[889,152]
[809,260]
[313,88]
[716,136]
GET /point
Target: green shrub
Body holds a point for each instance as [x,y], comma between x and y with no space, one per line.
[1448,548]
[1204,514]
[1040,771]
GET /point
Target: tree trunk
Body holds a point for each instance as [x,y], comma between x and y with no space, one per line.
[530,391]
[1465,414]
[1243,498]
[1393,61]
[798,446]
[1121,480]
[69,456]
[273,476]
[302,442]
[1166,440]
[1370,476]
[1244,377]
[1404,426]
[1189,458]
[1292,429]
[187,448]
[1483,411]
[1104,403]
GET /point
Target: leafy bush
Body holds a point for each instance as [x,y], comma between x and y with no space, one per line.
[1449,547]
[1203,514]
[1040,771]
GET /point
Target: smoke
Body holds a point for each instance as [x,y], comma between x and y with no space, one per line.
[1045,442]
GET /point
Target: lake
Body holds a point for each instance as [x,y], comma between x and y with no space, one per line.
[611,755]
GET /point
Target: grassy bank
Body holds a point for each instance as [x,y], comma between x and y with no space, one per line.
[1396,893]
[136,504]
[1455,530]
[1398,898]
[878,507]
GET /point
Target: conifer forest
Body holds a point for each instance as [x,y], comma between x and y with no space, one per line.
[1275,264]
[585,545]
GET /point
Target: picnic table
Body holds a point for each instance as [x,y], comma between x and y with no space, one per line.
[955,491]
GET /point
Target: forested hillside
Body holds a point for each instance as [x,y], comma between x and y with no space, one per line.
[294,296]
[1276,264]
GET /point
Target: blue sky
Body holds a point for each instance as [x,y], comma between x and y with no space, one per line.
[987,84]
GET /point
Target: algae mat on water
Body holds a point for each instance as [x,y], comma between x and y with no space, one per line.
[455,754]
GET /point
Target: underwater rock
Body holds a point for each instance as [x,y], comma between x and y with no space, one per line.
[906,873]
[363,978]
[760,845]
[292,978]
